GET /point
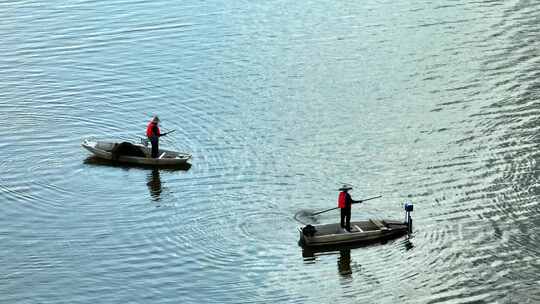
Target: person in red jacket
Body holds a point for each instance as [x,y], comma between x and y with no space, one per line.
[344,203]
[153,133]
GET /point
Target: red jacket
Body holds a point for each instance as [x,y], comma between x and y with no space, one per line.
[342,200]
[151,129]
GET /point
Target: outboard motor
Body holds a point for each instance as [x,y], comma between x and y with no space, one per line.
[309,231]
[408,219]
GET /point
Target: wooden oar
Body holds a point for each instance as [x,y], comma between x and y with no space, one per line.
[360,201]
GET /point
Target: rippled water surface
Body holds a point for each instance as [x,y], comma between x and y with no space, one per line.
[434,102]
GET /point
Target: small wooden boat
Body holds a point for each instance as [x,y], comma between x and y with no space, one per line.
[104,150]
[362,231]
[368,231]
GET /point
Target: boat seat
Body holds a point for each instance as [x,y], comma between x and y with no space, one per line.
[378,224]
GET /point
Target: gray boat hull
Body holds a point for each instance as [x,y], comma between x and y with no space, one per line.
[361,232]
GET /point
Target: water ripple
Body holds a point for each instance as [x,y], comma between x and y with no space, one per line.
[432,102]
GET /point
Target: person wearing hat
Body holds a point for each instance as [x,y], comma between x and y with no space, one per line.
[153,133]
[344,203]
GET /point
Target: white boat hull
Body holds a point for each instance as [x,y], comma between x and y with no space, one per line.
[102,149]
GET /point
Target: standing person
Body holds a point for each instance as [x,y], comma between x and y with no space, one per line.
[153,133]
[344,203]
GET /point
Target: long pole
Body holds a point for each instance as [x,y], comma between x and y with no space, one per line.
[361,201]
[167,133]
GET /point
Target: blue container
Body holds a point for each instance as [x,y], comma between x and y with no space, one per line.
[408,207]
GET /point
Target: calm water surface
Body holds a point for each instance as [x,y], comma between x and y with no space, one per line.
[434,102]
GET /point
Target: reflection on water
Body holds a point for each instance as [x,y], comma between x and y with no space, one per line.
[154,184]
[407,244]
[344,263]
[153,180]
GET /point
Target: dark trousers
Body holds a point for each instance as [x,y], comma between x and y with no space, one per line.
[155,146]
[346,218]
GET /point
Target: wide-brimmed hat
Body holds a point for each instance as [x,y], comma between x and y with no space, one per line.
[345,188]
[155,119]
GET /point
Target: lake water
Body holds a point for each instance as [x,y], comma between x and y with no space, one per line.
[433,102]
